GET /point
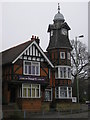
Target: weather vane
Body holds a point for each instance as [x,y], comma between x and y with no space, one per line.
[58,8]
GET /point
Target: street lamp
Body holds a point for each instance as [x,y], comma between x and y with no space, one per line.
[77,66]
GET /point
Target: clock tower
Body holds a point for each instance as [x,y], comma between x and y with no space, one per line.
[59,49]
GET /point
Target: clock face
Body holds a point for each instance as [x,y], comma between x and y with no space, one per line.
[64,31]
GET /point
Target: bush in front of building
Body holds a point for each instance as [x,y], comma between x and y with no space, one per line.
[67,107]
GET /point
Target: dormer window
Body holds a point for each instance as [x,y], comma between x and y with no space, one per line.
[51,32]
[62,55]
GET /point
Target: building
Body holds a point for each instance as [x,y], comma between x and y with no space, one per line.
[32,76]
[59,50]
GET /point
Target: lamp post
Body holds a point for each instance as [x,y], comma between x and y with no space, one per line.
[77,67]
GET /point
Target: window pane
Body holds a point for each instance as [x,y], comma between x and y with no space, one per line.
[26,85]
[33,92]
[69,94]
[57,93]
[29,68]
[24,92]
[47,95]
[61,72]
[25,69]
[35,86]
[35,64]
[69,73]
[37,70]
[64,72]
[63,92]
[37,92]
[33,70]
[29,92]
[62,55]
[27,63]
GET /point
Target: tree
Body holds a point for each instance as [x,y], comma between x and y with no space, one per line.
[79,65]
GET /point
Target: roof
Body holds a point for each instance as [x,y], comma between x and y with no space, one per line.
[13,54]
[58,16]
[9,55]
[59,42]
[63,25]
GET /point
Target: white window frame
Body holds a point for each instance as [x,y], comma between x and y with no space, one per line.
[67,91]
[31,91]
[61,55]
[31,68]
[50,90]
[59,73]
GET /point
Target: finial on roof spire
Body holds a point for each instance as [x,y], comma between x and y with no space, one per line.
[58,8]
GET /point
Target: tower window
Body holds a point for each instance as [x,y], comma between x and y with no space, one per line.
[62,55]
[51,32]
[68,56]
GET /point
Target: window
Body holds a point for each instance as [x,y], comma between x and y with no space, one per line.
[57,92]
[48,95]
[63,92]
[63,72]
[31,90]
[68,56]
[31,68]
[51,32]
[62,55]
[69,73]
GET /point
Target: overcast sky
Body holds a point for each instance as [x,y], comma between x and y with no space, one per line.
[22,20]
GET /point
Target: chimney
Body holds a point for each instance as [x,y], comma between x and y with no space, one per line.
[36,39]
[32,38]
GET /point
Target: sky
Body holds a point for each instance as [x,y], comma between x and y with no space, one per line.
[21,20]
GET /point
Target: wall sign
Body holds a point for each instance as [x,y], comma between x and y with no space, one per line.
[32,78]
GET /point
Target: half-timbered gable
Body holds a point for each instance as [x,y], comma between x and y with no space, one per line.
[27,73]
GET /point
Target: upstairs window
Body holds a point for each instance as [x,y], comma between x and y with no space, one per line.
[62,55]
[51,32]
[63,72]
[31,68]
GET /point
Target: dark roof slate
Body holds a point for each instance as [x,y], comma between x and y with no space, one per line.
[63,25]
[60,42]
[9,55]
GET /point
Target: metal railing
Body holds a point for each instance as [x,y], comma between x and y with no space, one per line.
[52,113]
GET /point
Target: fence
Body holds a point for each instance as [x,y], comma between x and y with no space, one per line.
[19,114]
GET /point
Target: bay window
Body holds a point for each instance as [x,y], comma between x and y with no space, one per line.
[31,68]
[63,92]
[63,72]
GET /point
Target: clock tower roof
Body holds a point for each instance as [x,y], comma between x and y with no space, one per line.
[59,36]
[58,16]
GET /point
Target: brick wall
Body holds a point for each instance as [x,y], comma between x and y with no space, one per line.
[31,104]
